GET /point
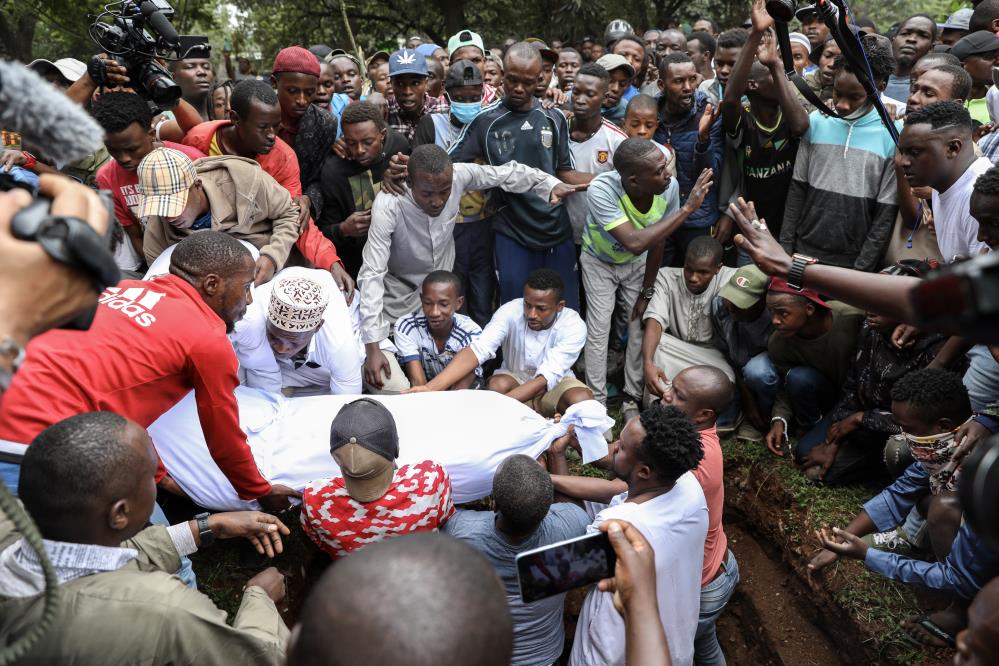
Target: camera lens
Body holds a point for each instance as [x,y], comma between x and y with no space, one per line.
[781,10]
[978,490]
[162,89]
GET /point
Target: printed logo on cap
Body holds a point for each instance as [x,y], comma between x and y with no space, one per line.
[742,281]
[406,58]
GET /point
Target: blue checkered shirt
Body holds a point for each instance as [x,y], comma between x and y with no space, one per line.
[415,342]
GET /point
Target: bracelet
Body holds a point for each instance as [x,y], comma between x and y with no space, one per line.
[782,420]
[30,161]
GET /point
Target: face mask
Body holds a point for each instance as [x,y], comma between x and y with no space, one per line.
[936,454]
[464,112]
[859,113]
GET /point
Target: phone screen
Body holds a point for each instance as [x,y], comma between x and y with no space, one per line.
[545,572]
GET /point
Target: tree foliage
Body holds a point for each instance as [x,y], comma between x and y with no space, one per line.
[258,28]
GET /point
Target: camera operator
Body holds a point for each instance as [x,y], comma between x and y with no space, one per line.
[194,73]
[37,292]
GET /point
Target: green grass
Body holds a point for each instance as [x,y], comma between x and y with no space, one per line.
[876,604]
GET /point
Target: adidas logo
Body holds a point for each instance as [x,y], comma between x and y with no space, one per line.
[526,126]
[134,302]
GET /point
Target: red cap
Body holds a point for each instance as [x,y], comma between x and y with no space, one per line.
[296,59]
[780,286]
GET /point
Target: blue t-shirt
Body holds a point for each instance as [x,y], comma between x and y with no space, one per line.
[537,628]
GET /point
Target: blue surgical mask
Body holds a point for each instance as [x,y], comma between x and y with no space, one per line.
[465,112]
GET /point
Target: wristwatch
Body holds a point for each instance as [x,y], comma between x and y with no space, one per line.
[796,276]
[648,293]
[205,534]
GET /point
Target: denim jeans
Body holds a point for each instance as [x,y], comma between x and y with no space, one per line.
[473,263]
[514,262]
[860,456]
[761,379]
[714,597]
[810,394]
[186,571]
[10,473]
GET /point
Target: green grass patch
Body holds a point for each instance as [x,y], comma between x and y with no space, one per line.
[876,604]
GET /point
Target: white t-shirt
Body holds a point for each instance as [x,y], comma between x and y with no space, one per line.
[957,230]
[676,525]
[595,155]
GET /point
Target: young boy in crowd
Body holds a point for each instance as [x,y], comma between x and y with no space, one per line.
[541,340]
[640,120]
[427,340]
[678,328]
[842,201]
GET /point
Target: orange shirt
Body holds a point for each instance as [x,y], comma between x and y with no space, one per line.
[710,475]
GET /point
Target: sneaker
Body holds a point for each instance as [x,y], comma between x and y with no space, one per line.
[629,410]
[729,427]
[747,432]
[892,541]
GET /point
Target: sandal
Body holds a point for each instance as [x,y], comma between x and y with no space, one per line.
[931,628]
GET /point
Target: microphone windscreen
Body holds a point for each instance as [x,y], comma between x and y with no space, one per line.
[61,129]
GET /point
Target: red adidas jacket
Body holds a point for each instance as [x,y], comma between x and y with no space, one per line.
[149,345]
[282,164]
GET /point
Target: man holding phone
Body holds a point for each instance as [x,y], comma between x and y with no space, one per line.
[652,458]
[524,519]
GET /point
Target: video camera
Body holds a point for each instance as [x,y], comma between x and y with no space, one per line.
[135,34]
[978,490]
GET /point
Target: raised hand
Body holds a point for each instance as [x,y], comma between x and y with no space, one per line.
[699,191]
[756,240]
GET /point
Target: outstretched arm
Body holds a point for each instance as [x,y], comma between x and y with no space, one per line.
[638,241]
[873,292]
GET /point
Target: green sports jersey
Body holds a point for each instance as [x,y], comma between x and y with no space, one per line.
[608,207]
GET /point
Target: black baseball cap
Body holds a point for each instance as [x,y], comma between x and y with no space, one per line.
[463,73]
[982,41]
[365,443]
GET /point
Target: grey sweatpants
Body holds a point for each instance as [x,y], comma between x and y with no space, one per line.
[606,284]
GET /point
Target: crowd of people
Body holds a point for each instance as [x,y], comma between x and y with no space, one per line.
[670,221]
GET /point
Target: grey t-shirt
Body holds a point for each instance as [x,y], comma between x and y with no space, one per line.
[538,635]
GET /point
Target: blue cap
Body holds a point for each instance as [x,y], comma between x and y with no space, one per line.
[426,50]
[407,61]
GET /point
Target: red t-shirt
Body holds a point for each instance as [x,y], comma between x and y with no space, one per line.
[710,475]
[151,342]
[419,500]
[124,184]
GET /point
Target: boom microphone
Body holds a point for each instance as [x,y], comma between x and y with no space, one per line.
[61,130]
[160,23]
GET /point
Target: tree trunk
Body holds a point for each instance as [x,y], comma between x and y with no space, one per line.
[454,16]
[17,34]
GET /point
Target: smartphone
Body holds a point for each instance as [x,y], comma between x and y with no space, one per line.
[554,569]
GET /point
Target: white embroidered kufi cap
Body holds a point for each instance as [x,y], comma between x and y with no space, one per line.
[297,304]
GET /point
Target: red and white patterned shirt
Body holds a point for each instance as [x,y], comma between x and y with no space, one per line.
[419,500]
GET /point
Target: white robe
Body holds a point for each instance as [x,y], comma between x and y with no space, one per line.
[468,432]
